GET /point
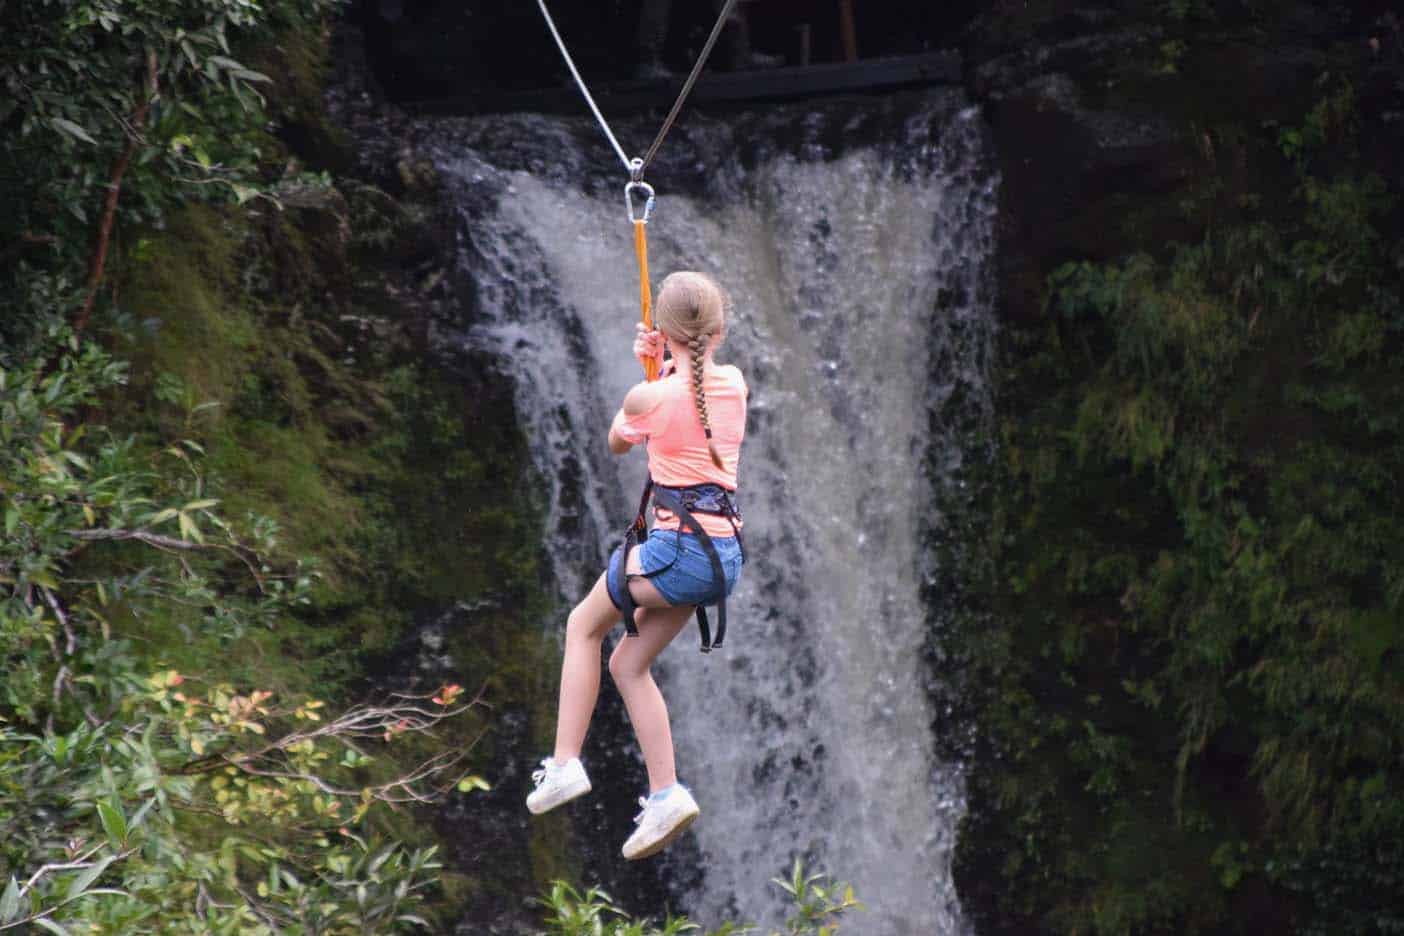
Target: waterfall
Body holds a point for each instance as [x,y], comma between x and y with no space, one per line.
[855,238]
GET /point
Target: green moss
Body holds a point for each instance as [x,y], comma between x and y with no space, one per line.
[177,286]
[379,463]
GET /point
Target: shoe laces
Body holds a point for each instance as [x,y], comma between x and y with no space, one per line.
[539,775]
[643,809]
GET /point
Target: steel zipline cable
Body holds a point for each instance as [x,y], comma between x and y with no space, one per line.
[687,85]
[580,83]
[636,167]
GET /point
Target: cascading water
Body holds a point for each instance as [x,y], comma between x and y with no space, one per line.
[855,238]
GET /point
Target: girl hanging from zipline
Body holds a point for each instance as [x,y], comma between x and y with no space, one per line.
[692,421]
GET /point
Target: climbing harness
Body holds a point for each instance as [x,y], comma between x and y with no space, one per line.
[683,501]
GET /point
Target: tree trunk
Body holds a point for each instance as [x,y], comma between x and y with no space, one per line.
[114,191]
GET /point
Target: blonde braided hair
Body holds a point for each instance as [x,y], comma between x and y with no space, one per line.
[690,310]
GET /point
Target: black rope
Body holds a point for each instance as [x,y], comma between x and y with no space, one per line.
[687,85]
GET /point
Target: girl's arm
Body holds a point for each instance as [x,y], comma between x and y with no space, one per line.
[641,400]
[618,445]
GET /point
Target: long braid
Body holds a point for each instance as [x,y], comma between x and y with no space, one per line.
[697,346]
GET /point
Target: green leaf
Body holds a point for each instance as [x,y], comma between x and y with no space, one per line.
[55,388]
[51,926]
[113,822]
[381,857]
[9,901]
[12,518]
[188,529]
[141,814]
[200,504]
[87,876]
[72,129]
[249,75]
[42,577]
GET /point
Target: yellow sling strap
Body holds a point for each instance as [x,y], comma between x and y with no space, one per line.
[636,166]
[645,292]
[641,251]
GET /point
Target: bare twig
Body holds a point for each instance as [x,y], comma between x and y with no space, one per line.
[261,911]
[424,783]
[58,682]
[49,911]
[143,536]
[76,864]
[71,641]
[174,544]
[26,239]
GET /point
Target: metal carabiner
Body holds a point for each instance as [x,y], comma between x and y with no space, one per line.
[649,200]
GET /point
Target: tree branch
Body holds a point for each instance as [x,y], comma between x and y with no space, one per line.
[161,541]
[114,190]
[71,641]
[422,783]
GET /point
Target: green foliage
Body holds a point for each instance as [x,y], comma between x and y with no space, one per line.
[1195,689]
[162,737]
[818,902]
[146,100]
[571,913]
[142,799]
[818,906]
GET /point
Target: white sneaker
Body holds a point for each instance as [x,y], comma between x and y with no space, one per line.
[661,822]
[557,784]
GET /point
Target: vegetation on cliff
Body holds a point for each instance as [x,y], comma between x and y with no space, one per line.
[209,491]
[1191,664]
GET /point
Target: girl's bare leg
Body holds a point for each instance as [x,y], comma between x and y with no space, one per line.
[580,669]
[630,664]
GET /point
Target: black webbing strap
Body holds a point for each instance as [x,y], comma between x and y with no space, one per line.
[674,499]
[632,536]
[668,499]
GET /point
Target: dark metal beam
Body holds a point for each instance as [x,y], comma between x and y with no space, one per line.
[799,81]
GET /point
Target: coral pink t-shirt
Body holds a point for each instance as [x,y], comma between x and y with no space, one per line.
[677,447]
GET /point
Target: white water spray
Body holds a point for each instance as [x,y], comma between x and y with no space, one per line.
[861,294]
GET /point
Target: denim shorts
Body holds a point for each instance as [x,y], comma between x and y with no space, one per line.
[679,568]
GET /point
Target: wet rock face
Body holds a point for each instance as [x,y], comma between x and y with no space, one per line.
[1103,111]
[1103,127]
[1069,157]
